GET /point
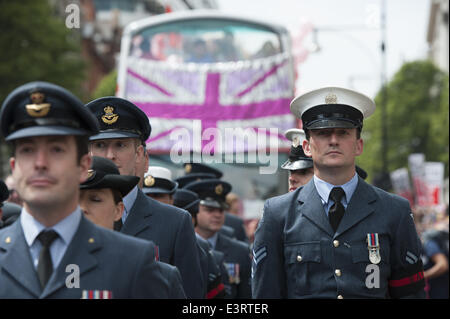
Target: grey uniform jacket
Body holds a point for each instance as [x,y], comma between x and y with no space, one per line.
[174,281]
[108,261]
[170,228]
[238,265]
[236,223]
[297,255]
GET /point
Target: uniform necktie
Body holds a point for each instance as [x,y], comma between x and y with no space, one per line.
[45,265]
[337,210]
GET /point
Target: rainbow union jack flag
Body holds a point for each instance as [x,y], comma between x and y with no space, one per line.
[251,95]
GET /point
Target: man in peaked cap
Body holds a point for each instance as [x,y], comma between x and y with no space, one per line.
[158,184]
[196,172]
[234,225]
[333,236]
[210,218]
[124,129]
[48,128]
[300,167]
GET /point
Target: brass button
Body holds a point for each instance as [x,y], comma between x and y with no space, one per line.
[340,297]
[336,243]
[299,258]
[338,272]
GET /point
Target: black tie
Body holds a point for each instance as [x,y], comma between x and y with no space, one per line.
[45,265]
[337,210]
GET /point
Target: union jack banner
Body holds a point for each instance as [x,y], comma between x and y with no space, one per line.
[245,98]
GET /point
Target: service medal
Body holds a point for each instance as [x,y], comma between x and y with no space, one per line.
[373,245]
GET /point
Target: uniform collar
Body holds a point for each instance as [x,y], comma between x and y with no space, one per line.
[324,188]
[211,240]
[128,202]
[65,228]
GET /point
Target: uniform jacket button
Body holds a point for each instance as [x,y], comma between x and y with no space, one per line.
[340,297]
[299,258]
[338,272]
[336,243]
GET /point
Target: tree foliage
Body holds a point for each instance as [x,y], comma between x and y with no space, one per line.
[36,45]
[107,86]
[417,120]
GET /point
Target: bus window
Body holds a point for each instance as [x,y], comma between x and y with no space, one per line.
[205,41]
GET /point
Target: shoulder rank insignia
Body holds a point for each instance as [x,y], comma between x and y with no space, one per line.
[109,117]
[373,245]
[37,108]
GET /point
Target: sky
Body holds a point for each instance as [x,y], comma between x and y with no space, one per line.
[349,36]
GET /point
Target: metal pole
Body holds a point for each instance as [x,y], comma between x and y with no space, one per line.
[384,97]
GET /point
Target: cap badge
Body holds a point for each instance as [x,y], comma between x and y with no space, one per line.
[149,181]
[109,117]
[295,141]
[331,98]
[188,168]
[37,109]
[90,174]
[219,189]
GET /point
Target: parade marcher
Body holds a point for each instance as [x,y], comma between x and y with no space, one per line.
[142,166]
[210,218]
[4,194]
[11,213]
[124,128]
[199,171]
[101,202]
[299,165]
[435,259]
[14,197]
[48,128]
[158,184]
[337,236]
[102,192]
[211,261]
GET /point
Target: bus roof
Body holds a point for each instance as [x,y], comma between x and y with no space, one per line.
[155,20]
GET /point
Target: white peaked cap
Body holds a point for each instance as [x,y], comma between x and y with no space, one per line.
[296,135]
[160,172]
[332,107]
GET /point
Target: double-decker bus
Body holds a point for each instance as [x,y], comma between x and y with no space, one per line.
[216,89]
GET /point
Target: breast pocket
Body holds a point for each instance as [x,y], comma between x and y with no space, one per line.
[301,258]
[360,252]
[361,261]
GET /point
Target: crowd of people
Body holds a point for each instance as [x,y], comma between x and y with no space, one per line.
[82,192]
